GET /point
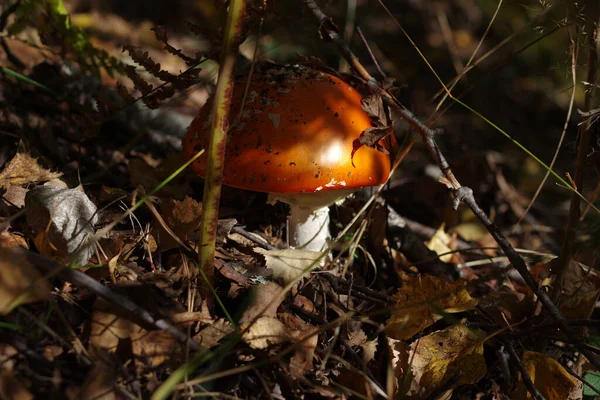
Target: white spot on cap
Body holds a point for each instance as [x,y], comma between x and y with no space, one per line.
[275,118]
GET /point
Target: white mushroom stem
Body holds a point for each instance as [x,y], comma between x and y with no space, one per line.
[308,229]
[308,225]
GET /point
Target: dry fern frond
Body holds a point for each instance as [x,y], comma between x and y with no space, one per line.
[161,36]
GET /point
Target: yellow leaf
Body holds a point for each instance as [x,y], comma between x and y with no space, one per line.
[548,376]
[453,354]
[24,169]
[423,300]
[439,243]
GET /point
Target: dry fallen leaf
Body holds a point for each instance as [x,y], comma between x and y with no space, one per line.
[439,243]
[99,384]
[20,281]
[182,217]
[265,301]
[422,300]
[264,332]
[24,169]
[63,221]
[549,377]
[108,330]
[306,339]
[581,290]
[12,388]
[212,334]
[453,354]
[290,264]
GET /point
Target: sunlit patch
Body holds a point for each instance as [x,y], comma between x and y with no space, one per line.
[333,155]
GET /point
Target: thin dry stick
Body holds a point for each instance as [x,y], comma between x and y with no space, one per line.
[82,280]
[462,194]
[217,142]
[524,375]
[592,9]
[572,48]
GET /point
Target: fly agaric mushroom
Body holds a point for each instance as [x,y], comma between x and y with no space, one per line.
[293,140]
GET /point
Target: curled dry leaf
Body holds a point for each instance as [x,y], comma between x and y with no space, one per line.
[453,354]
[381,125]
[549,377]
[23,170]
[63,221]
[422,300]
[264,332]
[20,281]
[290,264]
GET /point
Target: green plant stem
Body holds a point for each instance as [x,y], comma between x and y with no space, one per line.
[592,8]
[217,142]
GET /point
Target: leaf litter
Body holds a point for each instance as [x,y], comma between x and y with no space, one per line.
[294,324]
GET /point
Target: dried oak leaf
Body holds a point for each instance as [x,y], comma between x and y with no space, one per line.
[23,170]
[549,377]
[453,354]
[422,300]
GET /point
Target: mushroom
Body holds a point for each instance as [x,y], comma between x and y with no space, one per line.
[293,139]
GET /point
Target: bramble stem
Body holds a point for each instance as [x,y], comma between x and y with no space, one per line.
[217,142]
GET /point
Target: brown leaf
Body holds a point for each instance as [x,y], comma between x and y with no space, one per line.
[12,388]
[212,334]
[182,217]
[455,353]
[9,240]
[99,384]
[264,332]
[581,290]
[422,300]
[307,338]
[549,377]
[20,281]
[109,330]
[381,125]
[264,302]
[24,169]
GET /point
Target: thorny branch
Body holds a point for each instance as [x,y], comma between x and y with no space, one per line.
[329,32]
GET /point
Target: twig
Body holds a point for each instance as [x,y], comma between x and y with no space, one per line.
[461,194]
[258,240]
[373,58]
[80,279]
[584,133]
[524,375]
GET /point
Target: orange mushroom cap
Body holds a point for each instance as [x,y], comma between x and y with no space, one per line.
[295,134]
